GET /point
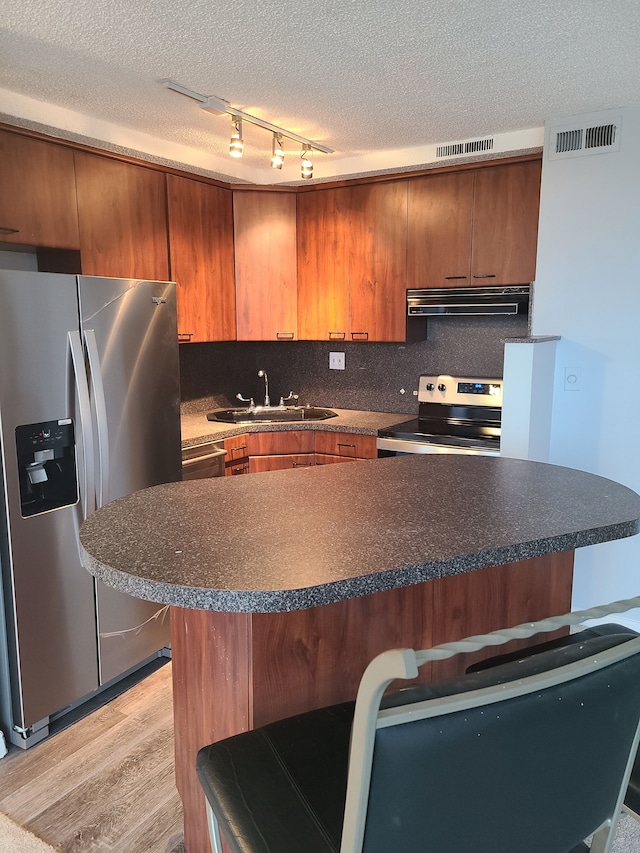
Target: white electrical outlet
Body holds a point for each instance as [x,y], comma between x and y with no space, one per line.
[336,361]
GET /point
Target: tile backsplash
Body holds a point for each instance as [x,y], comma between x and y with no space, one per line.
[374,376]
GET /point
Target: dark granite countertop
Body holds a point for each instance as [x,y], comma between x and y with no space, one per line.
[196,429]
[288,540]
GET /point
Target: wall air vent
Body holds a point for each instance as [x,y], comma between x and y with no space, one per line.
[454,149]
[584,136]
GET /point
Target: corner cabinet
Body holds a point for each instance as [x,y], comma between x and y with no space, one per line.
[265,265]
[38,197]
[477,226]
[352,263]
[201,259]
[121,213]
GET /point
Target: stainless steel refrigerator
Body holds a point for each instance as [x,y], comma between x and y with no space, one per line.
[89,411]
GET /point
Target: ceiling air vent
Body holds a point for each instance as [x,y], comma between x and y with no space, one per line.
[587,136]
[454,149]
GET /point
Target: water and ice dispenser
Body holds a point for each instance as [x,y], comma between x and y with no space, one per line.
[46,466]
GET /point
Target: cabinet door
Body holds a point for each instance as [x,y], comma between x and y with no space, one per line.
[323,265]
[201,254]
[38,196]
[377,239]
[265,258]
[440,211]
[327,459]
[284,441]
[237,458]
[348,444]
[505,223]
[283,462]
[121,213]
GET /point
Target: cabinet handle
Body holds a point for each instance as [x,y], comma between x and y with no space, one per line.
[337,336]
[454,277]
[487,275]
[358,335]
[342,444]
[240,469]
[8,230]
[239,447]
[186,335]
[285,336]
[301,464]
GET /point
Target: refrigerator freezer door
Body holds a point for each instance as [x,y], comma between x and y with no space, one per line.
[130,333]
[48,595]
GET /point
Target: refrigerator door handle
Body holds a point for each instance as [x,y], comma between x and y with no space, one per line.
[84,410]
[100,408]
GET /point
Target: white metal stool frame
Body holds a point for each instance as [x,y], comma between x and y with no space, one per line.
[404,663]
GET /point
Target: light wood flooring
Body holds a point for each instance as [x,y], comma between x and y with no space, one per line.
[106,783]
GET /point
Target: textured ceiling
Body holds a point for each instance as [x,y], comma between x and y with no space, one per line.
[367,78]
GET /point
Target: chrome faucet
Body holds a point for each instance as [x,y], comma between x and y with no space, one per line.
[263,375]
[291,396]
[252,405]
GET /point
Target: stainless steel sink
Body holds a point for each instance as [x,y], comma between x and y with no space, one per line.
[271,414]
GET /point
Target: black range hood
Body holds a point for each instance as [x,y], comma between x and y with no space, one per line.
[468,301]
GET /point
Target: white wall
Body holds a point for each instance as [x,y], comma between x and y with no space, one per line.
[588,291]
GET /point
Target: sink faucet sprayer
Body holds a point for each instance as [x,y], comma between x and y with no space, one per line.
[263,374]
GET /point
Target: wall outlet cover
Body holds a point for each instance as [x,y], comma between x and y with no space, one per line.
[336,361]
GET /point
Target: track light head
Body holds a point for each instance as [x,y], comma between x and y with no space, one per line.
[236,145]
[306,166]
[277,153]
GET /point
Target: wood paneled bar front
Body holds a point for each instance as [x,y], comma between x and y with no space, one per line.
[283,587]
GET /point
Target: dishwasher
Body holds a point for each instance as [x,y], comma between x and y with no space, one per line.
[203,460]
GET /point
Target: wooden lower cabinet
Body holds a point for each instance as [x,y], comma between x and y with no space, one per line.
[237,458]
[282,442]
[256,452]
[277,451]
[344,446]
[329,459]
[282,462]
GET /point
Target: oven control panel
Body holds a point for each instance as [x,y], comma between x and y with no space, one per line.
[473,390]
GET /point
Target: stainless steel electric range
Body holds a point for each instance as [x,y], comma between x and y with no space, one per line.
[457,414]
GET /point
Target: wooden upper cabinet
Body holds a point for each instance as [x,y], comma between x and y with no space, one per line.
[37,193]
[201,258]
[265,265]
[121,213]
[352,263]
[377,234]
[505,223]
[474,227]
[440,215]
[323,265]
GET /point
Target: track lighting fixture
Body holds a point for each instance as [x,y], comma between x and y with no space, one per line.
[306,166]
[219,107]
[277,154]
[236,145]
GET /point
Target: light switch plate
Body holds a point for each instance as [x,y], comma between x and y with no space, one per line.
[336,361]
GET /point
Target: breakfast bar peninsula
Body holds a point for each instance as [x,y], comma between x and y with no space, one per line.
[284,585]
